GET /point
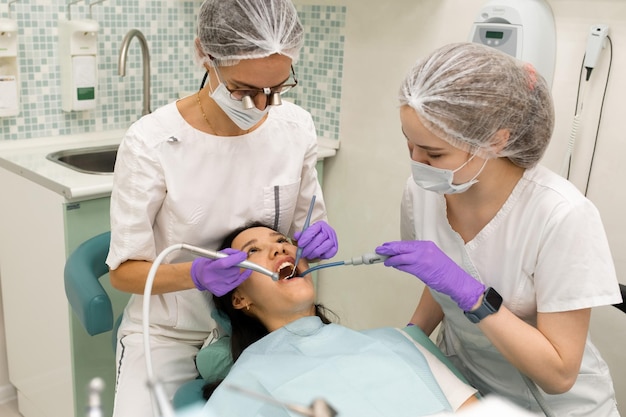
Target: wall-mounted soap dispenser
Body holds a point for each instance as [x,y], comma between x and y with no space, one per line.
[9,74]
[78,47]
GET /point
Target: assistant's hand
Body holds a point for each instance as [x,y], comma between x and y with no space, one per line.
[318,241]
[219,276]
[430,264]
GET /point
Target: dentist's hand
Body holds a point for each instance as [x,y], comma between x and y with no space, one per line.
[318,241]
[427,262]
[219,276]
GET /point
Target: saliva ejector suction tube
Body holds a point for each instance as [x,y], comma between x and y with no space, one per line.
[365,259]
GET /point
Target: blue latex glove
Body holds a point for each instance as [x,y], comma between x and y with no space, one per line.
[318,241]
[427,262]
[219,276]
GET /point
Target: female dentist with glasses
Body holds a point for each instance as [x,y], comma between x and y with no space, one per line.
[194,170]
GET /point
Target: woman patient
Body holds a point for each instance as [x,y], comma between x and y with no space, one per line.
[285,347]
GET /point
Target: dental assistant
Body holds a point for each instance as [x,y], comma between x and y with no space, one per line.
[195,169]
[513,256]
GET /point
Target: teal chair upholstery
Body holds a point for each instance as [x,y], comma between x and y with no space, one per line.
[92,305]
[86,295]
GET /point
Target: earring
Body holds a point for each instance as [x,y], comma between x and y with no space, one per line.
[247,307]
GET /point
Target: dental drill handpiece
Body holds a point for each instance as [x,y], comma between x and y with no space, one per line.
[244,264]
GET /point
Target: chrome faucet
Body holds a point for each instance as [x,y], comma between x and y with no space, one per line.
[121,64]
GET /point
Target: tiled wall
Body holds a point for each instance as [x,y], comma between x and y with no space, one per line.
[321,66]
[169,27]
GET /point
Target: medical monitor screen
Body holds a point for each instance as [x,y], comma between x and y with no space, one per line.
[490,34]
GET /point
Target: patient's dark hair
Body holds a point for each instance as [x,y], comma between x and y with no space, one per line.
[245,329]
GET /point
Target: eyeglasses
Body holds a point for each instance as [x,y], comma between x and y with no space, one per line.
[247,95]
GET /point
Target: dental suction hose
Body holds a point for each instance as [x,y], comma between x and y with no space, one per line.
[162,406]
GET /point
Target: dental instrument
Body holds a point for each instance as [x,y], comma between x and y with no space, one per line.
[218,255]
[365,259]
[306,225]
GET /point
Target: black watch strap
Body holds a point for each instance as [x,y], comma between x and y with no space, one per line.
[491,304]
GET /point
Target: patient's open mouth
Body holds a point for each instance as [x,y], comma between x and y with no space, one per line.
[285,271]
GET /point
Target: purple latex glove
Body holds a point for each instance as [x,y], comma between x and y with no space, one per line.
[427,262]
[219,276]
[318,241]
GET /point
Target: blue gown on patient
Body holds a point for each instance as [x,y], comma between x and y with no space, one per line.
[370,373]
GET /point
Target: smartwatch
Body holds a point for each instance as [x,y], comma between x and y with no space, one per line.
[491,304]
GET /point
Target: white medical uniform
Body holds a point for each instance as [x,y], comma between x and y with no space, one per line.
[379,372]
[544,251]
[175,184]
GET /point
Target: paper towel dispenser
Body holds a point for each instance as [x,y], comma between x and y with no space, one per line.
[9,74]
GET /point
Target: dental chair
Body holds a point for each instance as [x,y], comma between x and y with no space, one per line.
[87,297]
[91,304]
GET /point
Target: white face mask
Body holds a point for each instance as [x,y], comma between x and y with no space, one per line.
[245,119]
[440,180]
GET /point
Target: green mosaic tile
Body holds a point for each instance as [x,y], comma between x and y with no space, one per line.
[119,99]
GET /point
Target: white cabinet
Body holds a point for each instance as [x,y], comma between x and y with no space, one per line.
[46,211]
[51,357]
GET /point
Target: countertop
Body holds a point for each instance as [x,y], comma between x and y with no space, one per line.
[27,157]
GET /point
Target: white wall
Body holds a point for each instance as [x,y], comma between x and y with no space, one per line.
[363,183]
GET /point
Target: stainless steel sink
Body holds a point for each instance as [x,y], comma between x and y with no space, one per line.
[92,160]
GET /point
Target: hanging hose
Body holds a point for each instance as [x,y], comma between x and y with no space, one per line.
[565,167]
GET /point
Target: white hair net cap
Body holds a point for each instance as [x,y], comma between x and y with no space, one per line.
[232,30]
[466,92]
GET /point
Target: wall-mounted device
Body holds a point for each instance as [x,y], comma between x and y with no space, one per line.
[596,42]
[78,47]
[9,74]
[524,29]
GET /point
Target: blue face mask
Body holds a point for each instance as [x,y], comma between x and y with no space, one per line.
[440,180]
[244,119]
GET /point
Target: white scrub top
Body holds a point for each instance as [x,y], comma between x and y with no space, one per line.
[544,251]
[175,184]
[377,372]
